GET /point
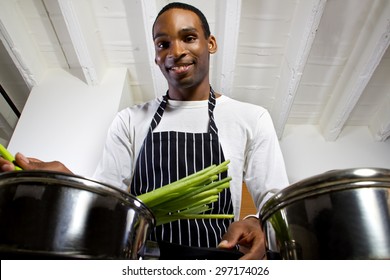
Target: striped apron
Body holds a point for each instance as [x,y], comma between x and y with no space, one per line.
[168,156]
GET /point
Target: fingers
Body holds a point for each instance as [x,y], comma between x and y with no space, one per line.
[21,161]
[253,247]
[25,163]
[226,244]
[240,231]
[248,235]
[32,164]
[36,164]
[6,166]
[231,237]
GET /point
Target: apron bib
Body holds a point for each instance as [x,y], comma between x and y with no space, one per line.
[168,156]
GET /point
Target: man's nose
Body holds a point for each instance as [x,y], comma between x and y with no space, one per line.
[177,49]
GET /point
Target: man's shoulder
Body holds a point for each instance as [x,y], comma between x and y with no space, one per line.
[235,104]
[137,114]
[146,106]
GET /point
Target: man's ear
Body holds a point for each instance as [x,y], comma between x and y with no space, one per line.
[212,44]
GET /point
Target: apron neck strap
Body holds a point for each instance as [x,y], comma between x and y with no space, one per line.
[212,101]
[211,105]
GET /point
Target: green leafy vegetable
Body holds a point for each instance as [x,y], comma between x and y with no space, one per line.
[189,197]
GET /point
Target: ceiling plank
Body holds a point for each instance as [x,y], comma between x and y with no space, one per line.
[228,24]
[79,42]
[304,27]
[5,128]
[380,125]
[149,13]
[369,49]
[17,41]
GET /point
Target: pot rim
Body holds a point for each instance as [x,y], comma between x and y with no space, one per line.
[330,181]
[77,182]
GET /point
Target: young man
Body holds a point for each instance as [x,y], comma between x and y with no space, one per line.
[188,129]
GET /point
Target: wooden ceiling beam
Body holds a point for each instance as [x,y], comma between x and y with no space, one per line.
[304,27]
[369,49]
[227,29]
[17,41]
[73,22]
[380,125]
[149,13]
[5,128]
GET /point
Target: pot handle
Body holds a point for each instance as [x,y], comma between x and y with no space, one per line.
[152,250]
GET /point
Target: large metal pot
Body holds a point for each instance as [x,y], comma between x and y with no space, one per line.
[340,214]
[55,215]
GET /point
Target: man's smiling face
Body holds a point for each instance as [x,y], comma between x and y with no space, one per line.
[182,50]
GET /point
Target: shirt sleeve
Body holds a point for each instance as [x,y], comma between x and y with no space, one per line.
[115,166]
[264,170]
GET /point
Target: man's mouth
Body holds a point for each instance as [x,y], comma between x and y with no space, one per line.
[180,69]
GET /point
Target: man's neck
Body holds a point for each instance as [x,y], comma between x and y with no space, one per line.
[190,94]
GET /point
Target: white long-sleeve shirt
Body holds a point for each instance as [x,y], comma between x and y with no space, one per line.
[246,133]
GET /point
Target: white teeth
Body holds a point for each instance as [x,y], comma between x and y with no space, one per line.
[180,68]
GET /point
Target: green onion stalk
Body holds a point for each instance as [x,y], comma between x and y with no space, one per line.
[190,197]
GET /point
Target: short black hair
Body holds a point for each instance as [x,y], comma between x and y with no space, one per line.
[183,6]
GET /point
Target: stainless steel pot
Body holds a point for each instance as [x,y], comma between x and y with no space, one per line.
[340,214]
[55,215]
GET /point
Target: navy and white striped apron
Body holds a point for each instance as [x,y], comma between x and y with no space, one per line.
[168,156]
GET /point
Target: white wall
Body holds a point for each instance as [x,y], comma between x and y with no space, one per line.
[306,152]
[65,119]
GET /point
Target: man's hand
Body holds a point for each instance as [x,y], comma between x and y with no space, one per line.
[249,235]
[5,165]
[32,164]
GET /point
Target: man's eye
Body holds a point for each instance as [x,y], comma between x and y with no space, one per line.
[162,45]
[190,38]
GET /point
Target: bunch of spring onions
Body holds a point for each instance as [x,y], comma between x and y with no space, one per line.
[189,197]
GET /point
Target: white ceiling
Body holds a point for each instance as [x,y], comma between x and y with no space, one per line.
[318,62]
